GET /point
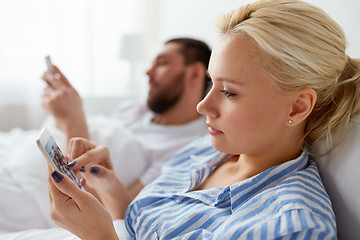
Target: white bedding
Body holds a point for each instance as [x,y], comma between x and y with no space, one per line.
[24,203]
[59,233]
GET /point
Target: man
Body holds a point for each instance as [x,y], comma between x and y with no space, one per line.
[177,82]
[140,138]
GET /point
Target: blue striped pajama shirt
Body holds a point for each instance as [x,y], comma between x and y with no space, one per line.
[286,202]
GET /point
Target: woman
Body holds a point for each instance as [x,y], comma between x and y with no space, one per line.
[281,81]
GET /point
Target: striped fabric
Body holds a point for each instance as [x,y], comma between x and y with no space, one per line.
[286,202]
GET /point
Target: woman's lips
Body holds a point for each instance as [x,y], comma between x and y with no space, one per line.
[212,131]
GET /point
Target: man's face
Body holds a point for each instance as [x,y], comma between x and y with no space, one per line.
[166,79]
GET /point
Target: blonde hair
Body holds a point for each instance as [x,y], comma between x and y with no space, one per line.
[304,47]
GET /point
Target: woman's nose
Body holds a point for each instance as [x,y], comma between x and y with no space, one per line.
[207,106]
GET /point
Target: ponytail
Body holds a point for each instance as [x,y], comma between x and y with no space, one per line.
[332,114]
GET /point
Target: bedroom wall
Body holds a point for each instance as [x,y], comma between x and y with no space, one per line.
[163,19]
[197,18]
[17,114]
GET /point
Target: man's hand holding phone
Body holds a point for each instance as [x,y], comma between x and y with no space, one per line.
[51,68]
[63,102]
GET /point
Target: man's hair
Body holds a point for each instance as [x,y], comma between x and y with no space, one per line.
[194,51]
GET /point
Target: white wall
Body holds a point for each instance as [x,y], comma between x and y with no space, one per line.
[31,115]
[83,38]
[161,19]
[196,18]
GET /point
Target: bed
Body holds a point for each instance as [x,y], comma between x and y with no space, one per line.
[23,184]
[24,204]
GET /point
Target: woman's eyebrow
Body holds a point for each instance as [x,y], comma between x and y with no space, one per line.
[224,79]
[229,80]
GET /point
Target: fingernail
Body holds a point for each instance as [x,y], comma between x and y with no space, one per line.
[72,164]
[95,170]
[57,176]
[82,169]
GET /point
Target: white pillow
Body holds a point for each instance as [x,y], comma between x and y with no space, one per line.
[340,172]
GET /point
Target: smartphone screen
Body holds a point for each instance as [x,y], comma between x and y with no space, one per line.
[46,142]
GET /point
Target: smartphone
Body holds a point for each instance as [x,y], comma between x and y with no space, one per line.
[54,156]
[48,63]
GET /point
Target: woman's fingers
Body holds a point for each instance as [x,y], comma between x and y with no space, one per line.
[49,183]
[78,211]
[99,177]
[62,188]
[62,199]
[54,193]
[64,192]
[97,155]
[83,152]
[78,146]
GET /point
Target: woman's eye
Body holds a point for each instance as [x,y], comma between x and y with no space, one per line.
[227,93]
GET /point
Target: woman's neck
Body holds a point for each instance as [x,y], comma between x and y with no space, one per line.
[237,168]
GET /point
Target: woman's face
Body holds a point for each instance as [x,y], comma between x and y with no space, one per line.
[245,114]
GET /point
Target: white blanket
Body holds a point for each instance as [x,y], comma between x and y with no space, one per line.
[24,200]
[59,233]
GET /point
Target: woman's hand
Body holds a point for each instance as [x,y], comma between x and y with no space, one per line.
[78,211]
[95,166]
[93,162]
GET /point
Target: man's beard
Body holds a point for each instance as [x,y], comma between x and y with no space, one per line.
[167,97]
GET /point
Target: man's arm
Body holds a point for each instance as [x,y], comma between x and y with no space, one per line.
[62,101]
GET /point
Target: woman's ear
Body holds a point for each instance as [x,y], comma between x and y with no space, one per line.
[302,106]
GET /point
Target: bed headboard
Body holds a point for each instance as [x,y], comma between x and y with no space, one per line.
[340,172]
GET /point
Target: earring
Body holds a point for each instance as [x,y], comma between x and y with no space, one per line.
[290,121]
